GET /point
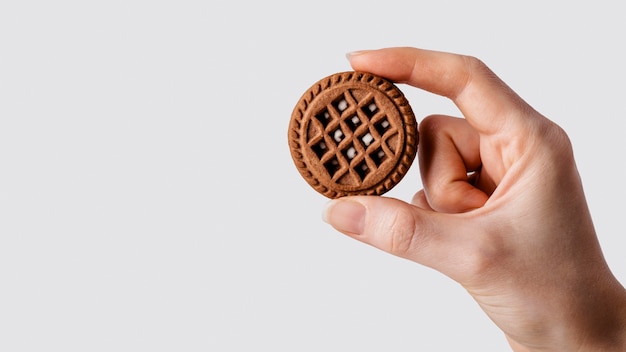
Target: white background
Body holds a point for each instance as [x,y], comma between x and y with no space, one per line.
[148,201]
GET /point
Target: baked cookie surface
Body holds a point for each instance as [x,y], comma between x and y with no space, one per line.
[353,133]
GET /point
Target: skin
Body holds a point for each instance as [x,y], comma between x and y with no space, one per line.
[517,233]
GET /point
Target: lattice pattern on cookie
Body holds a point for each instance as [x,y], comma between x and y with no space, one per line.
[355,139]
[353,133]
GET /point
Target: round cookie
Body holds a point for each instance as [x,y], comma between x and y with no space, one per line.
[353,133]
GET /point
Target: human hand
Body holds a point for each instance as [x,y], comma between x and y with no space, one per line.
[502,211]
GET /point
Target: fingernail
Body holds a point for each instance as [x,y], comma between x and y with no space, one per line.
[355,53]
[345,215]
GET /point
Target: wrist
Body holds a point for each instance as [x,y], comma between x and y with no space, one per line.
[603,326]
[594,321]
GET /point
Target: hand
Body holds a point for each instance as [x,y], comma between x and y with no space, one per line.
[516,232]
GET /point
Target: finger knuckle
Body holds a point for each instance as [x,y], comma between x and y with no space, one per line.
[401,233]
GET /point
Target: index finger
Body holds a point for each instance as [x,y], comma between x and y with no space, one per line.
[483,98]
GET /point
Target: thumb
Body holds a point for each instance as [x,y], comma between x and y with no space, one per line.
[399,228]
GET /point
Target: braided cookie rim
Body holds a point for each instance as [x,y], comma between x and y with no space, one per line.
[297,132]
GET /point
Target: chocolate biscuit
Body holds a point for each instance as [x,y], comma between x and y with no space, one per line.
[353,133]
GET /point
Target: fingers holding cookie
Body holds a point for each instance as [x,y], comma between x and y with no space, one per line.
[483,98]
[503,121]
